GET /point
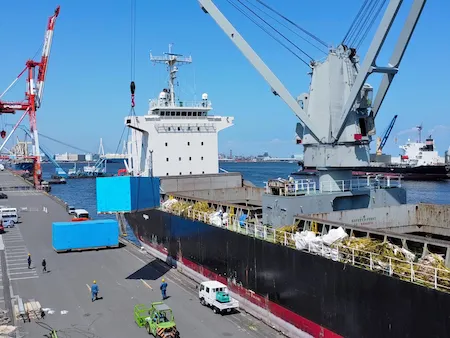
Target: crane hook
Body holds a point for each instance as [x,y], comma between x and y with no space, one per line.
[132,88]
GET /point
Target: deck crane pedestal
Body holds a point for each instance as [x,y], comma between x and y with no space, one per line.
[337,115]
[33,96]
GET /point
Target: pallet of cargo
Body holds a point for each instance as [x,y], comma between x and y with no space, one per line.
[87,249]
[27,311]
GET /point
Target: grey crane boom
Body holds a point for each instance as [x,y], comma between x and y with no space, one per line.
[279,89]
[399,51]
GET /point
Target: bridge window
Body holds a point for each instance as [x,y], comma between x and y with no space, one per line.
[179,158]
[178,113]
[202,158]
[190,158]
[189,113]
[180,172]
[179,128]
[194,113]
[161,113]
[190,173]
[203,172]
[167,174]
[172,113]
[183,113]
[167,159]
[189,128]
[169,128]
[166,144]
[202,142]
[198,128]
[189,143]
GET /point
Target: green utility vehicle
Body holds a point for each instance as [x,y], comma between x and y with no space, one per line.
[157,319]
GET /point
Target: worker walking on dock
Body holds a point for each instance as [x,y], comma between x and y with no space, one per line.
[94,291]
[44,265]
[29,261]
[163,288]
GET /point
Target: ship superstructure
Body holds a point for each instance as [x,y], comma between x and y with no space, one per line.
[176,137]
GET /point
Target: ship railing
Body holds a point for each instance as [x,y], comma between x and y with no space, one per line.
[311,186]
[155,103]
[407,270]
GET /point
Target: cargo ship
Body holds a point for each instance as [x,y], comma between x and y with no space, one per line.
[304,280]
[419,161]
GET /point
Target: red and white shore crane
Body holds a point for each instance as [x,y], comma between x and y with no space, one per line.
[33,96]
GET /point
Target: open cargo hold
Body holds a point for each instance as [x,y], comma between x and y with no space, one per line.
[98,234]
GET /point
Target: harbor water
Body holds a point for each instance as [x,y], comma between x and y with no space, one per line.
[81,193]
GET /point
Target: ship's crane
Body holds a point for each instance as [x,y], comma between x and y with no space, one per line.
[33,96]
[337,115]
[386,135]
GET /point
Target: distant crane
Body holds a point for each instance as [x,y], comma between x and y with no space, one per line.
[33,97]
[386,136]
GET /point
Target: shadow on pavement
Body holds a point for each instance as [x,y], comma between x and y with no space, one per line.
[151,271]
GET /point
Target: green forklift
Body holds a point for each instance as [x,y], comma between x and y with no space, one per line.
[157,319]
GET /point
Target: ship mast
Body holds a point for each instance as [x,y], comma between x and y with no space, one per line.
[171,60]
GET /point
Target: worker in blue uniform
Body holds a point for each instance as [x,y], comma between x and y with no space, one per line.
[163,288]
[94,290]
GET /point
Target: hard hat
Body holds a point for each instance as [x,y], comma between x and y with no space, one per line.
[95,282]
[29,254]
[162,280]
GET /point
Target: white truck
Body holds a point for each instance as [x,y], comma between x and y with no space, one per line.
[215,295]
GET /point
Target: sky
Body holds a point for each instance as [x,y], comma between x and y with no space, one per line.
[87,91]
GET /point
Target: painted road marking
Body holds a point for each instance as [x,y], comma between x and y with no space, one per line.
[146,284]
[29,277]
[88,287]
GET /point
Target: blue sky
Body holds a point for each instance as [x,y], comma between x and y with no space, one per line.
[87,87]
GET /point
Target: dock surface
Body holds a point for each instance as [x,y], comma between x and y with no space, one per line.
[126,276]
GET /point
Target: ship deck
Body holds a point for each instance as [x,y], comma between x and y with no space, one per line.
[126,277]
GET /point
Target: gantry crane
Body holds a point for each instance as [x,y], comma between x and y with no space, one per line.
[386,136]
[33,96]
[337,115]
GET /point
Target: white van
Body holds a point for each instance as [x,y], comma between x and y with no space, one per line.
[81,213]
[9,214]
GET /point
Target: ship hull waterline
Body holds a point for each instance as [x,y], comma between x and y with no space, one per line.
[316,295]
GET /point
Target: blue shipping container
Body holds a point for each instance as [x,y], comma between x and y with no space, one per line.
[127,193]
[85,235]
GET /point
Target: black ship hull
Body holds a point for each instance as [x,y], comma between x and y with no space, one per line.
[317,295]
[420,173]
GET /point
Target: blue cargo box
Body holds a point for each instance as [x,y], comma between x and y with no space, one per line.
[98,234]
[127,193]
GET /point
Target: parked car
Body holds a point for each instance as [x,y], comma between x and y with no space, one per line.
[3,196]
[9,223]
[70,210]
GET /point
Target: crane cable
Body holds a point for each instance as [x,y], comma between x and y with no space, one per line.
[365,18]
[351,30]
[292,43]
[363,23]
[294,24]
[269,33]
[369,27]
[285,26]
[133,54]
